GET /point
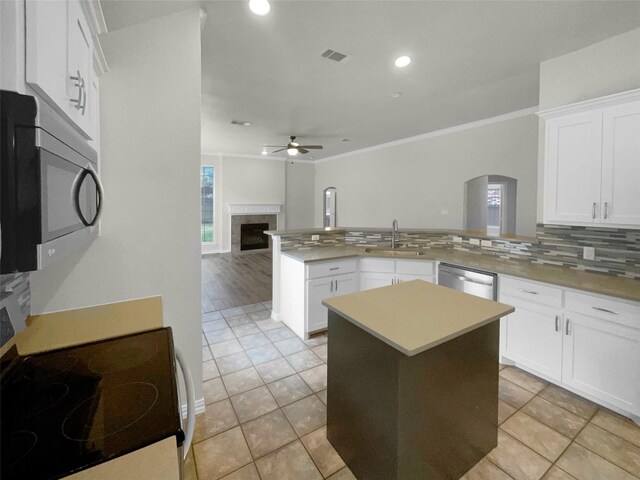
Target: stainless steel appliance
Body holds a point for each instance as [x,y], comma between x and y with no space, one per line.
[51,193]
[71,409]
[467,280]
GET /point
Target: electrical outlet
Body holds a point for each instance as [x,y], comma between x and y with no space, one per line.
[457,239]
[486,243]
[474,241]
[315,237]
[589,253]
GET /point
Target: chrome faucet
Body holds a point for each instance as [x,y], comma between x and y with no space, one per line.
[394,233]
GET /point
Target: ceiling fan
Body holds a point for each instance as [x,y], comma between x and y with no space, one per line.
[293,148]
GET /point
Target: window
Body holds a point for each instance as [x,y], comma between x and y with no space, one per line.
[206,204]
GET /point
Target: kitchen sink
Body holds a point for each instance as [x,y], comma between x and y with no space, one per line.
[403,252]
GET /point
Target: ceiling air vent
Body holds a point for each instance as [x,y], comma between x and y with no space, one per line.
[241,123]
[335,56]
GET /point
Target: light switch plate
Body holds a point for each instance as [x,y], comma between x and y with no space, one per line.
[457,239]
[474,241]
[589,253]
[315,237]
[486,243]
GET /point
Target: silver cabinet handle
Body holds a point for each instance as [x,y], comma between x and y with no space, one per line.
[605,310]
[84,98]
[336,285]
[530,292]
[606,210]
[557,323]
[334,268]
[80,84]
[332,288]
[566,329]
[593,211]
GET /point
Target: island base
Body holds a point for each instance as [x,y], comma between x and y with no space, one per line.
[433,415]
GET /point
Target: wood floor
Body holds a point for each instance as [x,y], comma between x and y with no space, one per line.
[231,280]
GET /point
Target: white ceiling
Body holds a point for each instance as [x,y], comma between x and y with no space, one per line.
[471,60]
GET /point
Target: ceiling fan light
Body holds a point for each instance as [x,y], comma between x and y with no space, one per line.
[259,7]
[292,151]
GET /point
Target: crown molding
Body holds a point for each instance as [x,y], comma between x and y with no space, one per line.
[253,156]
[600,102]
[437,133]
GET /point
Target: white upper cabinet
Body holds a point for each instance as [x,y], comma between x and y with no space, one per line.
[61,53]
[592,163]
[621,164]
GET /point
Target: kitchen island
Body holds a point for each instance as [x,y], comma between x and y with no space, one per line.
[412,380]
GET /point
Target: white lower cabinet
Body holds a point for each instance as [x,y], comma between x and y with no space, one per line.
[377,272]
[587,343]
[327,287]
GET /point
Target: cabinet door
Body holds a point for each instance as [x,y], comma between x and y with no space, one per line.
[532,336]
[601,359]
[79,67]
[573,168]
[345,284]
[369,280]
[46,50]
[403,277]
[317,290]
[621,165]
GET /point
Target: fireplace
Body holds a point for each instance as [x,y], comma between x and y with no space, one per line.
[252,236]
[268,215]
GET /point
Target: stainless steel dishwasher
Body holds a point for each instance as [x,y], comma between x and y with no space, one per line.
[467,280]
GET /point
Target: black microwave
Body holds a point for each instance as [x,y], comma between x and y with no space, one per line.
[50,189]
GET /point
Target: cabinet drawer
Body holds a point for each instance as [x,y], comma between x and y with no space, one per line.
[604,308]
[324,269]
[414,267]
[378,265]
[531,292]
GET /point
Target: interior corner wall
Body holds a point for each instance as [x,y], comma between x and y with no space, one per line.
[300,199]
[249,180]
[604,68]
[421,183]
[150,162]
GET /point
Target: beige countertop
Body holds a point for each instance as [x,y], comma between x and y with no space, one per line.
[625,288]
[55,330]
[417,315]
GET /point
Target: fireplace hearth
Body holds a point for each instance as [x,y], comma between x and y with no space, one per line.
[252,236]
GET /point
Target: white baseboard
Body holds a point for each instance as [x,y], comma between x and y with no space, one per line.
[199,407]
[276,316]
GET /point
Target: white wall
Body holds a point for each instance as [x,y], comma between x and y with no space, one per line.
[249,180]
[150,133]
[604,68]
[415,182]
[300,199]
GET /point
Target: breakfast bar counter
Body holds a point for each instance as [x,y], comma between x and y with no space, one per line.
[412,380]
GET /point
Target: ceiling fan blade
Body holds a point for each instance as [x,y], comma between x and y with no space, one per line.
[303,150]
[275,146]
[312,147]
[280,150]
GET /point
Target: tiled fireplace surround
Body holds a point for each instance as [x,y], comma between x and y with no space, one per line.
[238,220]
[617,250]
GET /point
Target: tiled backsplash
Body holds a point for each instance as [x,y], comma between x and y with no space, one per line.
[617,250]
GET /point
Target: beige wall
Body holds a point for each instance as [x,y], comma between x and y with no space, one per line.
[422,183]
[248,180]
[300,199]
[150,133]
[604,68]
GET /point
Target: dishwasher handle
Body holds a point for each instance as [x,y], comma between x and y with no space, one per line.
[191,402]
[467,279]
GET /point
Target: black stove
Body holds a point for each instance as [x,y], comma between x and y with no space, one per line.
[70,409]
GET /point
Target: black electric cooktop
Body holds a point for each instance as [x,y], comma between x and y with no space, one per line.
[67,410]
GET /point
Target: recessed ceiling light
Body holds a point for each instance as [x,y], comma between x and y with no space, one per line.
[264,151]
[259,7]
[402,61]
[395,94]
[346,140]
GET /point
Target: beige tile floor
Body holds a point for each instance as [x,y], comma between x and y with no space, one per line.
[265,419]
